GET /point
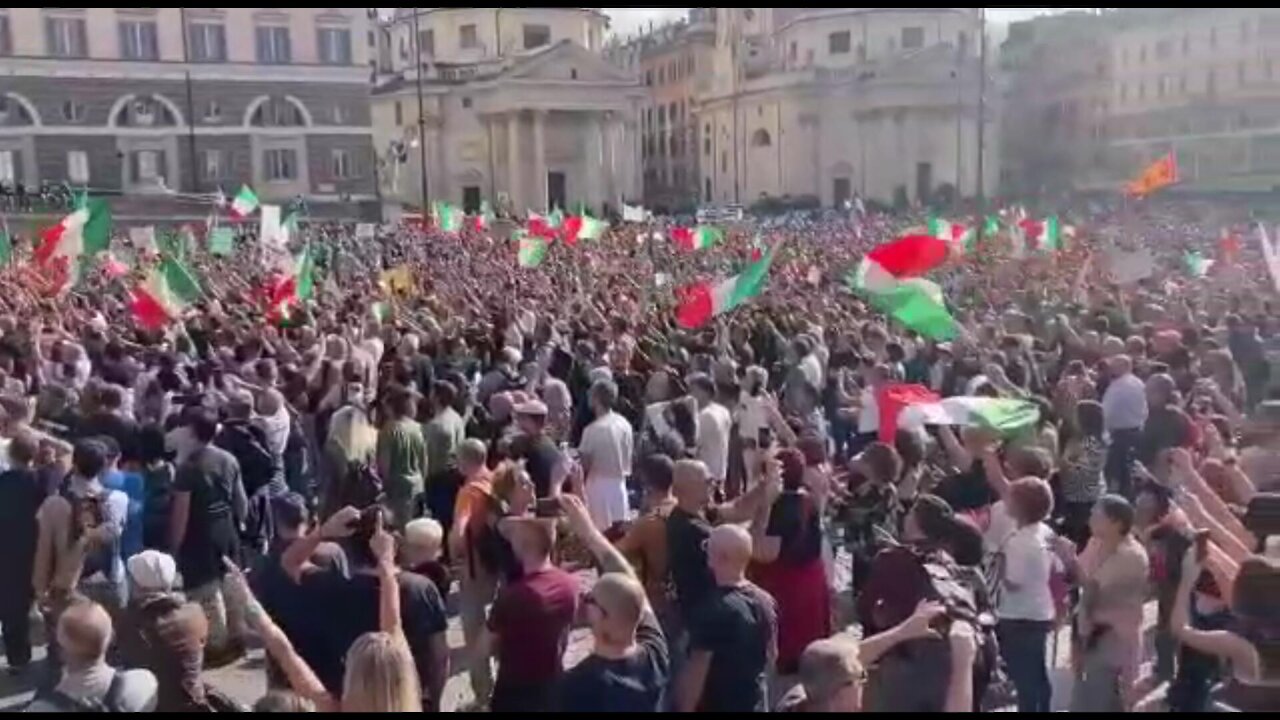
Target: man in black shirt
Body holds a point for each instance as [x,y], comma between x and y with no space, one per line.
[109,421]
[629,668]
[543,459]
[689,528]
[207,512]
[733,635]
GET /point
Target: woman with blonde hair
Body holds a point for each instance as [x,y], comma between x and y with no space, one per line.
[380,672]
[349,450]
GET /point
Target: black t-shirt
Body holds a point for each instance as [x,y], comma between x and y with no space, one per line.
[542,458]
[687,537]
[968,490]
[637,684]
[737,626]
[351,607]
[211,476]
[795,520]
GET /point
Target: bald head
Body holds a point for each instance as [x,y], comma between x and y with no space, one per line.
[729,554]
[691,485]
[84,634]
[621,600]
[472,455]
[1112,347]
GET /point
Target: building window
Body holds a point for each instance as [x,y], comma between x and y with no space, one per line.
[212,113]
[274,47]
[277,112]
[341,165]
[146,166]
[280,165]
[536,36]
[138,41]
[73,111]
[466,103]
[761,139]
[211,165]
[66,37]
[8,170]
[338,115]
[334,45]
[912,38]
[468,38]
[399,114]
[648,78]
[724,161]
[6,41]
[840,43]
[78,166]
[208,43]
[662,75]
[794,53]
[427,43]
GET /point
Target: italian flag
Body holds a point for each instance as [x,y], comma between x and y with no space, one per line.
[961,238]
[533,251]
[484,221]
[1197,265]
[449,218]
[992,227]
[1007,418]
[245,203]
[703,237]
[295,286]
[544,227]
[892,279]
[582,227]
[701,303]
[169,289]
[80,236]
[1048,235]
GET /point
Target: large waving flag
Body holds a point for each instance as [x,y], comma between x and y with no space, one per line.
[169,290]
[1004,417]
[80,236]
[532,252]
[449,217]
[1160,175]
[245,204]
[702,303]
[703,237]
[961,238]
[582,227]
[1048,235]
[891,277]
[295,286]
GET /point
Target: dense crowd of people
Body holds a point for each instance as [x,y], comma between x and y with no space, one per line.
[730,512]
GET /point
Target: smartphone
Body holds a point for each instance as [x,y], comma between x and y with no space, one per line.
[548,509]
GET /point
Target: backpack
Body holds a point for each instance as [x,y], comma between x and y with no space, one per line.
[486,548]
[110,703]
[918,664]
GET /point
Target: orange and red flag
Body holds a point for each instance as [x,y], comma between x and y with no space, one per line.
[1162,174]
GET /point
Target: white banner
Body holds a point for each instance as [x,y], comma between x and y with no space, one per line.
[634,214]
[366,231]
[1129,268]
[1272,258]
[143,238]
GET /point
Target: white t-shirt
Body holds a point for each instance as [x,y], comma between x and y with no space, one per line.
[1028,566]
[606,449]
[753,416]
[714,426]
[869,416]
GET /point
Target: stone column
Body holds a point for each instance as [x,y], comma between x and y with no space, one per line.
[597,193]
[513,164]
[540,200]
[609,129]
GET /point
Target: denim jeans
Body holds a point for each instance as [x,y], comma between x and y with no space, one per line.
[1024,645]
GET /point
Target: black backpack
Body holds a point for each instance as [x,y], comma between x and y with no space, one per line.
[110,703]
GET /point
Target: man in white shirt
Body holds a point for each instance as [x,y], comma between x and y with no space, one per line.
[715,423]
[606,450]
[1124,411]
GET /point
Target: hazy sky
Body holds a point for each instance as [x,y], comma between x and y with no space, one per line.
[626,20]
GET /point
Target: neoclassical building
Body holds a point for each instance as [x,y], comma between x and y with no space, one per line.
[147,101]
[518,108]
[830,103]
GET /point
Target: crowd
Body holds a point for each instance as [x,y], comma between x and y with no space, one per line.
[729,511]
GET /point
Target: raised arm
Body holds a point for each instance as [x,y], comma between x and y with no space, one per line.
[341,525]
[302,679]
[383,547]
[1225,646]
[960,457]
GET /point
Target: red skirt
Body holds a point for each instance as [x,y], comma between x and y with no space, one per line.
[804,607]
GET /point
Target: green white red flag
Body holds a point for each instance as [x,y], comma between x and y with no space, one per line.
[891,277]
[701,303]
[582,227]
[245,203]
[167,292]
[80,236]
[698,239]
